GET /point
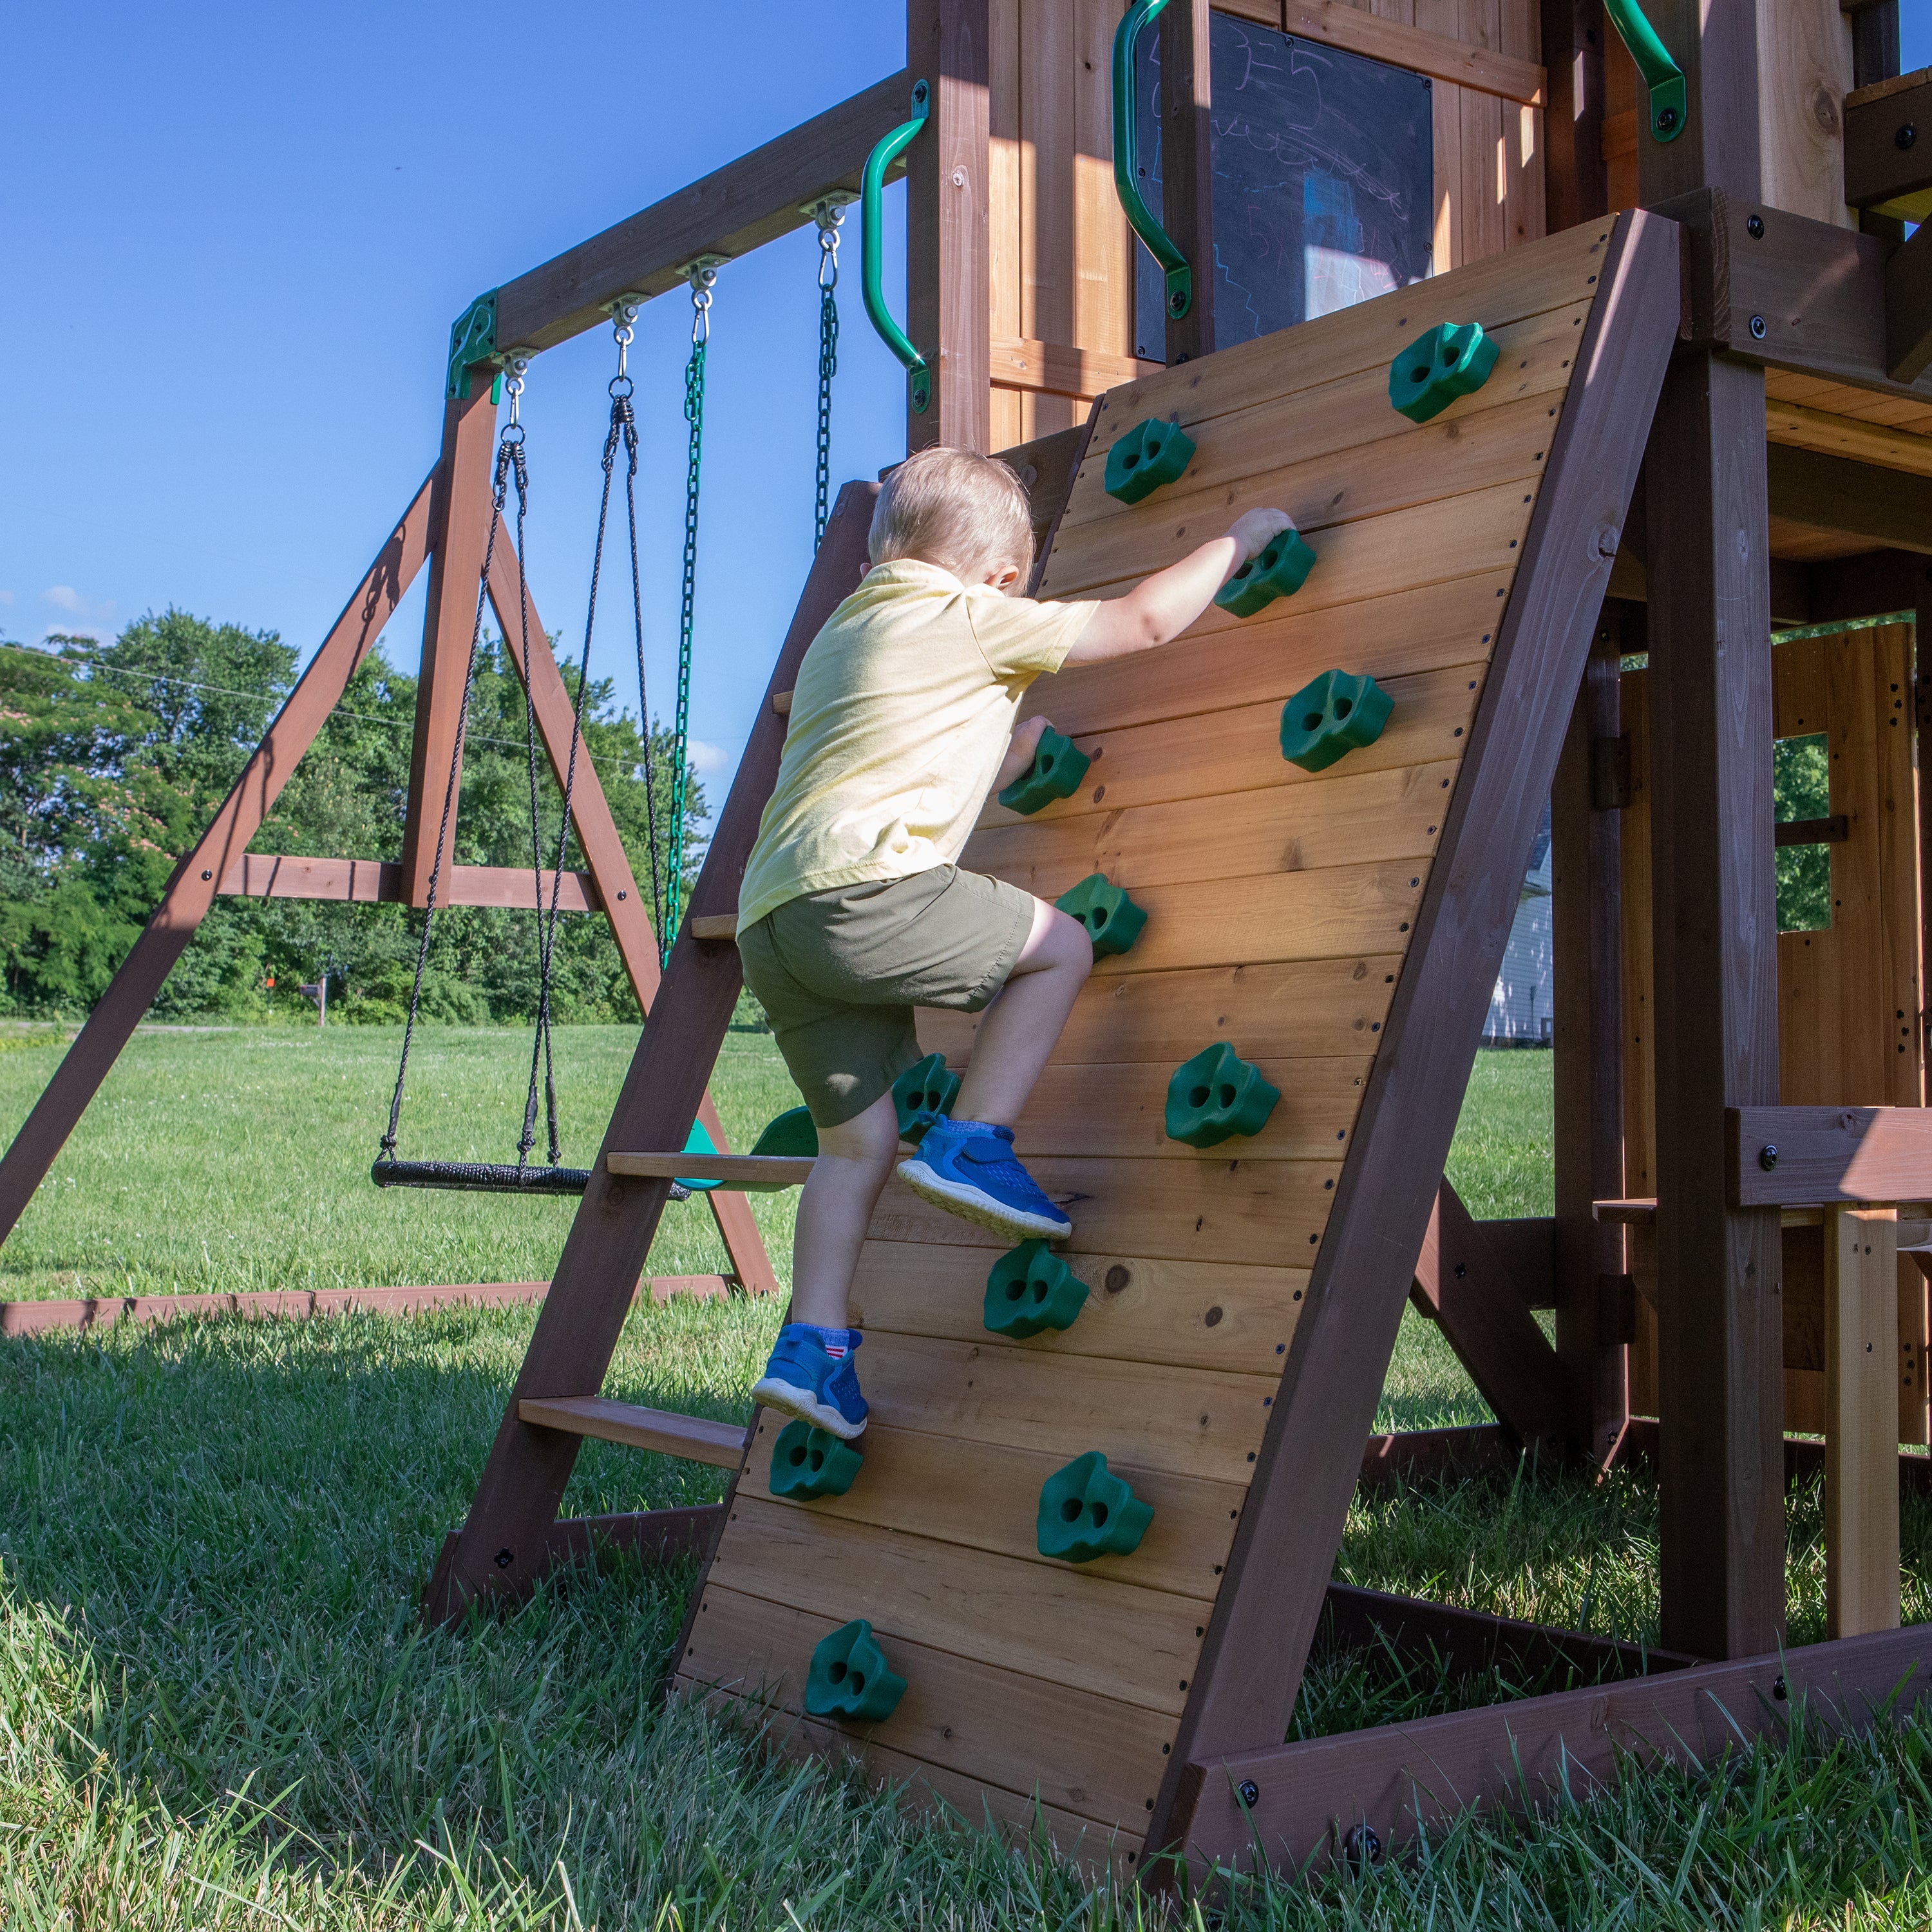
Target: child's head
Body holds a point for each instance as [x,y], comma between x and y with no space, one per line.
[967,513]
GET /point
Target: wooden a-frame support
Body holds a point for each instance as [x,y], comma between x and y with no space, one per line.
[445,525]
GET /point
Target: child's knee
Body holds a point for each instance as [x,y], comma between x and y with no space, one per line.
[871,1136]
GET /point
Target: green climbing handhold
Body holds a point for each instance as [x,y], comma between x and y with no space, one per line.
[1216,1095]
[791,1134]
[809,1462]
[1279,569]
[1112,920]
[850,1678]
[1339,712]
[1057,769]
[1086,1511]
[921,1093]
[1454,359]
[1149,454]
[1031,1288]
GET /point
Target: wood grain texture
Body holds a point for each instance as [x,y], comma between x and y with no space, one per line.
[1462,62]
[1828,1154]
[694,1438]
[1862,1581]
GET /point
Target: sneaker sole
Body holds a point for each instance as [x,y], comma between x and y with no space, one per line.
[802,1404]
[972,1204]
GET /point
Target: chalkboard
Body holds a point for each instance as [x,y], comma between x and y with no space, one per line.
[1325,168]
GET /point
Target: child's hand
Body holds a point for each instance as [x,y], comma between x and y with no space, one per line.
[1257,529]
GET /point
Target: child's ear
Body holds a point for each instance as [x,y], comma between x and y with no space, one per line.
[1004,580]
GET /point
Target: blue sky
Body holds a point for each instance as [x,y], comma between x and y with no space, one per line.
[235,237]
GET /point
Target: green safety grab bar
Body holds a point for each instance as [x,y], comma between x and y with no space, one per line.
[1159,243]
[1661,74]
[871,246]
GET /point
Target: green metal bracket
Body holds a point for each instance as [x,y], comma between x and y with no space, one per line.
[1159,243]
[871,246]
[473,339]
[1669,102]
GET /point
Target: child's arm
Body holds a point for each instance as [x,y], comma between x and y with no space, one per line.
[1019,753]
[1161,607]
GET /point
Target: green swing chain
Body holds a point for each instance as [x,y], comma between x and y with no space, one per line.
[828,215]
[702,277]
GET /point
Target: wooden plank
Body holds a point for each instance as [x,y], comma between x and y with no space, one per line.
[1830,493]
[1719,144]
[1879,173]
[1462,63]
[1846,436]
[694,1438]
[1006,424]
[1326,496]
[1862,1582]
[1103,244]
[1046,465]
[1272,1212]
[191,890]
[1828,1154]
[1086,1756]
[948,291]
[1201,1315]
[911,1484]
[1908,310]
[1186,94]
[604,1254]
[1058,369]
[718,925]
[1804,71]
[751,1169]
[1048,268]
[1306,1471]
[1149,1415]
[1561,1749]
[270,875]
[1046,1621]
[1342,421]
[740,207]
[1313,1007]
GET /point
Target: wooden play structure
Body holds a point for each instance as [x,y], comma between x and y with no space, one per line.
[1679,340]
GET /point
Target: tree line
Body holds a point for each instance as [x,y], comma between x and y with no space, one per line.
[114,755]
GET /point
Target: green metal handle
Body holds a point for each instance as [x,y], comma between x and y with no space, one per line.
[1158,244]
[1661,74]
[871,246]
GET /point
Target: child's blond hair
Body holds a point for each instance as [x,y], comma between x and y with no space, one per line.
[968,513]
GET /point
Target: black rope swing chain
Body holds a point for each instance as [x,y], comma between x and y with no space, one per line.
[488,1177]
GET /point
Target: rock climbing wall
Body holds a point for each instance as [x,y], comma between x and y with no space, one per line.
[1278,902]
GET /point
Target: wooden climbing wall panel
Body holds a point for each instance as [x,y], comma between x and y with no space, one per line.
[1279,906]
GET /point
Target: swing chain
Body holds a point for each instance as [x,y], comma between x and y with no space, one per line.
[703,275]
[828,213]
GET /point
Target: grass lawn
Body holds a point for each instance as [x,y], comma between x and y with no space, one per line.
[216,1708]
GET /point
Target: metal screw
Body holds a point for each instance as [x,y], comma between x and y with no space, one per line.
[1758,331]
[1767,1156]
[1249,1792]
[207,875]
[1666,119]
[1778,1689]
[1754,228]
[504,1558]
[1904,138]
[1363,1845]
[623,895]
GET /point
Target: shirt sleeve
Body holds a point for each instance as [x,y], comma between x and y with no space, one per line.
[1020,639]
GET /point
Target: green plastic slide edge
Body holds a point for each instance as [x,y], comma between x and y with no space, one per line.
[1155,238]
[871,246]
[473,339]
[1661,74]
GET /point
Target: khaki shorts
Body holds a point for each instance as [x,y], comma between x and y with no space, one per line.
[839,972]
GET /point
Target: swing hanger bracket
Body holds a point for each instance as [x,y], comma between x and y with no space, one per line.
[828,209]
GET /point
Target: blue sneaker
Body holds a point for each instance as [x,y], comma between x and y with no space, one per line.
[968,1168]
[803,1379]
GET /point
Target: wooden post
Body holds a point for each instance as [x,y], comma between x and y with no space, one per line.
[1861,1587]
[1715,43]
[1187,167]
[1576,183]
[459,529]
[1715,1018]
[948,293]
[1587,918]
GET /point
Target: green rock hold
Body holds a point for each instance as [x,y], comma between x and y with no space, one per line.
[1339,712]
[850,1678]
[1145,457]
[1086,1511]
[1112,920]
[1031,1289]
[1058,766]
[1216,1096]
[1454,359]
[922,1093]
[1279,569]
[807,1463]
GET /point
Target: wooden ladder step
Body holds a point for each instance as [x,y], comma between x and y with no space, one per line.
[738,1169]
[714,925]
[697,1440]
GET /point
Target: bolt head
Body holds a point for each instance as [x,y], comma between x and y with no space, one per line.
[1754,228]
[1758,329]
[1666,119]
[1249,1792]
[1767,1156]
[1779,1689]
[504,1558]
[1905,137]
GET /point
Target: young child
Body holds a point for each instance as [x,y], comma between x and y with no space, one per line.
[852,912]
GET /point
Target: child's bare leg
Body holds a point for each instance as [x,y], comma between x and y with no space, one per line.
[1020,1028]
[835,1208]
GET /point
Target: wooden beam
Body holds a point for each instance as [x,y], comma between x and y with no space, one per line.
[271,875]
[948,295]
[741,206]
[763,1170]
[504,1541]
[1872,585]
[1889,169]
[1908,308]
[1485,1318]
[1713,1019]
[1576,183]
[1295,1805]
[1884,507]
[1413,1456]
[1849,436]
[1862,1586]
[1053,369]
[1187,168]
[1717,46]
[1874,44]
[193,888]
[696,1439]
[1462,63]
[1773,1155]
[1244,1686]
[1586,895]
